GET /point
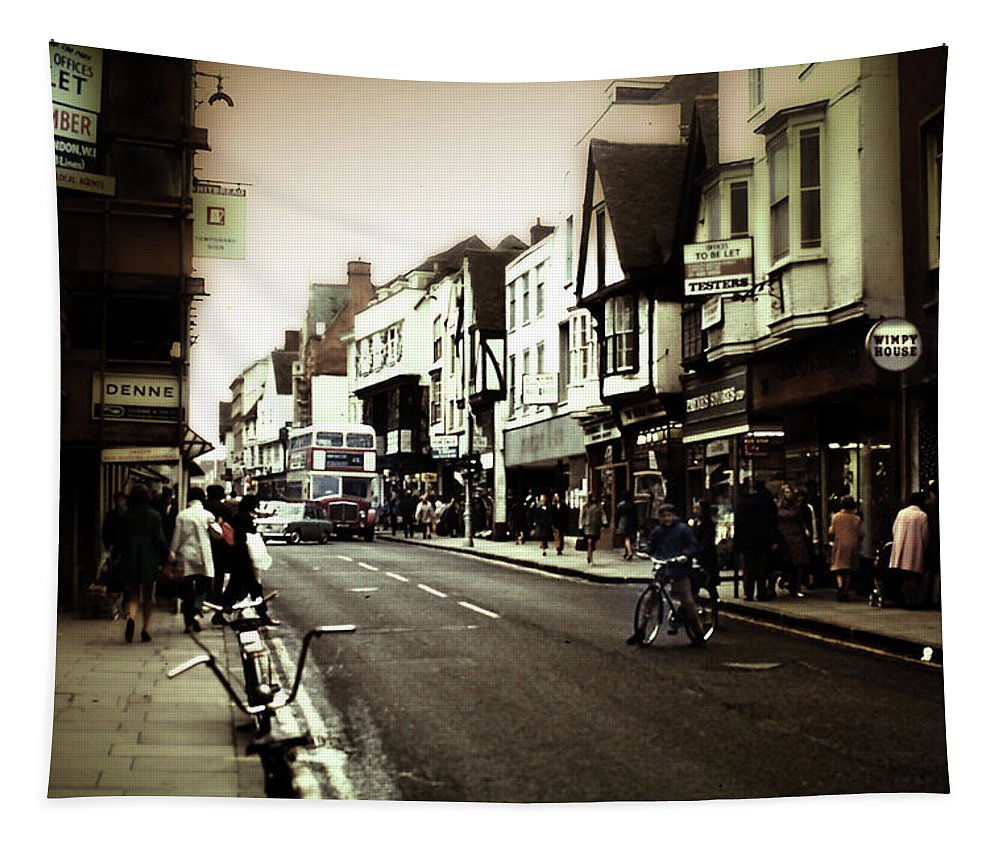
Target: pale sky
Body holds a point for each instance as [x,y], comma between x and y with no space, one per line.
[344,168]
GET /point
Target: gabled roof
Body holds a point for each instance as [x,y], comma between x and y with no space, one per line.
[487,278]
[642,191]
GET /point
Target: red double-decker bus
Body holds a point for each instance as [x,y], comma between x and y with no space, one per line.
[334,465]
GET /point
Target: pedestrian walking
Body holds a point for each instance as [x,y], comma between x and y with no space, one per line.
[543,523]
[408,506]
[592,520]
[243,579]
[625,515]
[794,542]
[424,516]
[560,522]
[515,518]
[222,551]
[846,533]
[703,526]
[166,504]
[110,534]
[910,536]
[191,551]
[755,538]
[143,550]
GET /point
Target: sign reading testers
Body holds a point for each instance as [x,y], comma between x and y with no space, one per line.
[718,267]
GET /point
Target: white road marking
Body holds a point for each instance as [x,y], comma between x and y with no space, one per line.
[345,558]
[486,612]
[396,576]
[363,590]
[433,591]
[367,566]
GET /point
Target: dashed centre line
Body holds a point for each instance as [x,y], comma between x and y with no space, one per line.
[345,558]
[367,566]
[486,612]
[433,591]
[396,576]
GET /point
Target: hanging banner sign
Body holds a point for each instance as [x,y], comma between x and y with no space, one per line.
[717,268]
[219,221]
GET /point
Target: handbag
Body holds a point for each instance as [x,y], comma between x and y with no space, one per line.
[260,558]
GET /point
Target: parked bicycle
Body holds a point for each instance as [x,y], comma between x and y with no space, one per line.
[657,602]
[263,694]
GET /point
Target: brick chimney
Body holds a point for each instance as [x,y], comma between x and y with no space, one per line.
[540,231]
[359,280]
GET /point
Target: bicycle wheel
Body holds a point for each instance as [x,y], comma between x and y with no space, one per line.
[648,615]
[706,599]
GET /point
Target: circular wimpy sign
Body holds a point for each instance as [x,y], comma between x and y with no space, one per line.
[894,344]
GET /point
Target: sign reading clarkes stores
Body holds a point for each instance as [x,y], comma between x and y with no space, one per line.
[136,398]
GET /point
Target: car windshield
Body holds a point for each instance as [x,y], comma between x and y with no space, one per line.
[285,509]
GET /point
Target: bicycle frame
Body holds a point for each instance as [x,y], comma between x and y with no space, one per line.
[657,603]
[253,652]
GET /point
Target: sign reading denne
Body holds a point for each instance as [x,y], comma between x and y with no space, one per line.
[717,268]
[139,398]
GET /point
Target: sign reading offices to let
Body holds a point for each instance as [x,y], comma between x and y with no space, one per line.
[136,398]
[219,221]
[77,78]
[719,267]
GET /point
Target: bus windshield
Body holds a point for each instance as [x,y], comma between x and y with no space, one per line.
[357,487]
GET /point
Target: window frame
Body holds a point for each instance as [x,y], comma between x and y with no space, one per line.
[621,344]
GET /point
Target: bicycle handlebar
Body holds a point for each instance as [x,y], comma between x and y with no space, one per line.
[245,604]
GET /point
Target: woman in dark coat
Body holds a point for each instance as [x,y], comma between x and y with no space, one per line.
[543,523]
[560,522]
[142,549]
[704,531]
[794,540]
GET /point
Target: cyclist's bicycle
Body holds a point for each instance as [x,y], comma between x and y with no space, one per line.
[657,602]
[263,697]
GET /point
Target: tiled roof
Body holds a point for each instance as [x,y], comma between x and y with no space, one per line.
[486,273]
[642,190]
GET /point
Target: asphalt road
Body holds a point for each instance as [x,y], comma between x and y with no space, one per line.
[473,681]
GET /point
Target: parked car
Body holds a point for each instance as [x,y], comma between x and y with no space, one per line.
[350,516]
[294,522]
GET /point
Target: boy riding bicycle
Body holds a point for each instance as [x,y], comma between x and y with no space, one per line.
[672,539]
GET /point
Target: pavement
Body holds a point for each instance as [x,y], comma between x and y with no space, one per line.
[120,727]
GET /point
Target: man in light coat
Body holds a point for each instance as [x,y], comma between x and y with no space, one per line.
[191,549]
[910,534]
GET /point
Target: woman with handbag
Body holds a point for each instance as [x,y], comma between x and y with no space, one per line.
[243,578]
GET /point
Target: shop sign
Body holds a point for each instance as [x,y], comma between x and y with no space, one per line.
[711,312]
[136,398]
[98,184]
[444,445]
[718,268]
[219,221]
[894,344]
[638,413]
[720,398]
[140,454]
[758,444]
[540,388]
[600,432]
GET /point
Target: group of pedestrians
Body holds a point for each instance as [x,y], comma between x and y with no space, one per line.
[779,545]
[204,554]
[542,518]
[777,539]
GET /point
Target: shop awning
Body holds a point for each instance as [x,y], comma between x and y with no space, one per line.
[193,444]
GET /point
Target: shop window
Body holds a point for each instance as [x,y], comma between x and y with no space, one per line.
[600,232]
[582,345]
[620,329]
[692,336]
[778,172]
[739,215]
